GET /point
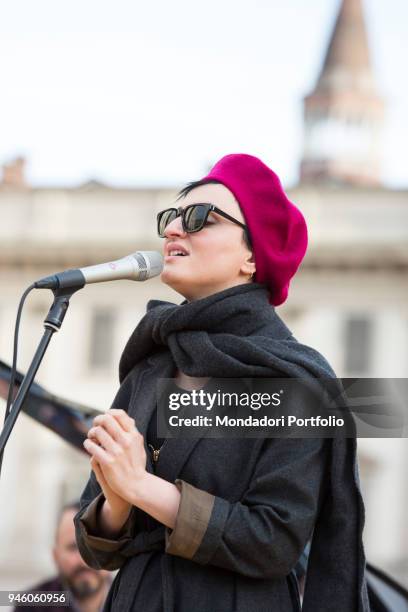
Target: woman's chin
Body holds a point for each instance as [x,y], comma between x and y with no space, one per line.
[175,280]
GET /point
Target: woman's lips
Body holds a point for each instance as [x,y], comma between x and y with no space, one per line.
[175,247]
[173,257]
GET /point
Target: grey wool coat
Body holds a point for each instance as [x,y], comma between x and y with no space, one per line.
[248,506]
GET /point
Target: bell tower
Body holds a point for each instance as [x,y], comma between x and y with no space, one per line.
[343,115]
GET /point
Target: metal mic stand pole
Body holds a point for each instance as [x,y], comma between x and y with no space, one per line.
[52,324]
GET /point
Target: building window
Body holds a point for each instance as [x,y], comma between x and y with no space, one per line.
[358,345]
[102,338]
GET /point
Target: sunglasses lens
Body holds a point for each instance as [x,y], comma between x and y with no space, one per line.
[164,218]
[194,217]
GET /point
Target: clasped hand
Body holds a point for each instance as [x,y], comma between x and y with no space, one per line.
[118,455]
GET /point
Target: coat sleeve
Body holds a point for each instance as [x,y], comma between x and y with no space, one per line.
[98,551]
[263,534]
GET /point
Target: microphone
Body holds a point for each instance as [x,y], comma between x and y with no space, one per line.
[138,266]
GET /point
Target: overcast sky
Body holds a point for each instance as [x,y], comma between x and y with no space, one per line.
[150,93]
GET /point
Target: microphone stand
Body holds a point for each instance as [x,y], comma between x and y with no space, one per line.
[52,324]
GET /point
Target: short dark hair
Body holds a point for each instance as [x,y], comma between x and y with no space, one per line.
[193,184]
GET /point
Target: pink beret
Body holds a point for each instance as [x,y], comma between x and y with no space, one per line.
[277,227]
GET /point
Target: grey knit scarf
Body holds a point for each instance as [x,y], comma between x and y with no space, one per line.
[237,333]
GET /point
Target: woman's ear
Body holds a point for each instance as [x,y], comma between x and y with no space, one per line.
[248,267]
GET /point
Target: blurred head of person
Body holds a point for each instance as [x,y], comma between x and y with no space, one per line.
[83,582]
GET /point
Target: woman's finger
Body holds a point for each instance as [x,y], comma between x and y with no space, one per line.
[123,419]
[100,435]
[114,429]
[95,465]
[97,451]
[98,472]
[100,477]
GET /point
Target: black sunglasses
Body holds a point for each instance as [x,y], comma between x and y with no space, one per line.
[193,218]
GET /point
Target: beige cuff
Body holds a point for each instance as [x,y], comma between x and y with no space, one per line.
[90,527]
[192,520]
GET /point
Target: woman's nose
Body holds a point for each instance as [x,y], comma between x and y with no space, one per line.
[175,228]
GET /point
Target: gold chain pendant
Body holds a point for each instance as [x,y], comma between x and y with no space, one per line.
[156,452]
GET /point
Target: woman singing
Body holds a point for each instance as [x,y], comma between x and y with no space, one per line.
[218,525]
